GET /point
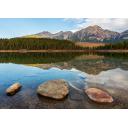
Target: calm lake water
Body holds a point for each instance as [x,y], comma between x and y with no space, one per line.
[108,71]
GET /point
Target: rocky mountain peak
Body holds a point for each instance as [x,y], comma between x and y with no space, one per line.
[94,27]
[44,32]
[92,33]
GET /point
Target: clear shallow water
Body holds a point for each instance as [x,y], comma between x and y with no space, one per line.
[116,78]
[31,77]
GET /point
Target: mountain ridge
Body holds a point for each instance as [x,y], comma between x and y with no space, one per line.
[89,34]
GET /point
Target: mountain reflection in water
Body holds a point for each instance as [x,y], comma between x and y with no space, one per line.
[32,76]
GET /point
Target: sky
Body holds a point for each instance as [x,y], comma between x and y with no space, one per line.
[16,27]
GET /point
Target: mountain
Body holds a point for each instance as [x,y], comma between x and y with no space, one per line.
[44,34]
[124,35]
[90,34]
[94,33]
[63,35]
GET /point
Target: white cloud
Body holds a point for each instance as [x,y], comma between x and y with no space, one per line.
[114,24]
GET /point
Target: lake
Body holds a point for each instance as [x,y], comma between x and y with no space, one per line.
[108,71]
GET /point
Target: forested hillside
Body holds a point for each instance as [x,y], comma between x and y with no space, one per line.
[115,46]
[37,44]
[54,44]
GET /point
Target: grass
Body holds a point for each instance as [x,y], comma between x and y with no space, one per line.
[90,45]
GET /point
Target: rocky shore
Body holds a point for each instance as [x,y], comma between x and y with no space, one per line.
[58,94]
[59,89]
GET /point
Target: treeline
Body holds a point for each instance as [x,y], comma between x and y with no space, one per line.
[54,44]
[37,44]
[114,46]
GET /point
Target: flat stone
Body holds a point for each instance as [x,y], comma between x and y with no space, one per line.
[13,89]
[99,95]
[56,89]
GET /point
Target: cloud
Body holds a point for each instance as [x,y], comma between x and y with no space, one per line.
[114,24]
[75,20]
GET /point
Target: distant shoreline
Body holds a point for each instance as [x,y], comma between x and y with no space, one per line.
[52,51]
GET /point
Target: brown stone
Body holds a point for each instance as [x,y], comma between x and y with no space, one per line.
[56,89]
[99,95]
[13,89]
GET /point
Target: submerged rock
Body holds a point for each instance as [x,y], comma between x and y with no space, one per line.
[98,95]
[13,89]
[56,89]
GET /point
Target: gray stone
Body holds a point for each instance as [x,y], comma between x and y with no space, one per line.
[56,89]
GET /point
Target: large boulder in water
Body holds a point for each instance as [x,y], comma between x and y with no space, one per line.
[13,89]
[56,89]
[99,95]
